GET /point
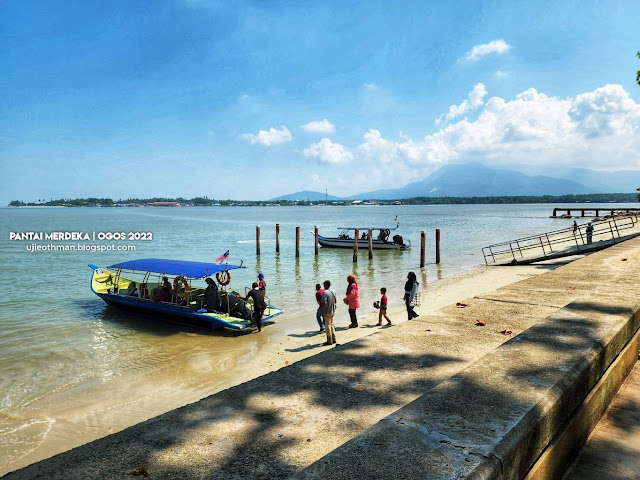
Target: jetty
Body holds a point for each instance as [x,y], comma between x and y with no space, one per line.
[506,385]
[593,212]
[575,240]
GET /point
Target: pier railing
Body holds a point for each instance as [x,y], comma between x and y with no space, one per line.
[564,242]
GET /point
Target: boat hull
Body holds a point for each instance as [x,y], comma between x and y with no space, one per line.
[204,320]
[328,242]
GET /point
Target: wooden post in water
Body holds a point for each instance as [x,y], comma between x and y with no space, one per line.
[315,231]
[423,248]
[370,244]
[437,245]
[277,238]
[297,242]
[355,246]
[257,239]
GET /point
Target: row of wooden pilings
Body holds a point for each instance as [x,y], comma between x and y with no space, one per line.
[423,243]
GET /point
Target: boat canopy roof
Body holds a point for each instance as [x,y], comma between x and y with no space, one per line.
[367,228]
[174,267]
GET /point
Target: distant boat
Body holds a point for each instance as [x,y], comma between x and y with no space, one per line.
[380,240]
[138,289]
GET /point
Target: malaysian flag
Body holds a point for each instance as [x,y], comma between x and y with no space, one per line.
[223,257]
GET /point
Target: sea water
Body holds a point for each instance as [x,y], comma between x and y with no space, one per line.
[68,358]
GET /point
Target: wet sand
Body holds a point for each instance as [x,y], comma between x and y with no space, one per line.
[214,363]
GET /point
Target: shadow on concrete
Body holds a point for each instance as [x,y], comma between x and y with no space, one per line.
[249,431]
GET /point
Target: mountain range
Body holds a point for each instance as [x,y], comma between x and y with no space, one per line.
[476,180]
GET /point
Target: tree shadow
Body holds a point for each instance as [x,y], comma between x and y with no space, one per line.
[267,428]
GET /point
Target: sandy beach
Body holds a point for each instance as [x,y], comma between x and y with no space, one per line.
[190,376]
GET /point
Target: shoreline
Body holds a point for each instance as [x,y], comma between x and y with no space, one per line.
[275,348]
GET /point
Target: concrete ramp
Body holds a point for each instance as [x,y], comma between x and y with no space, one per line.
[576,240]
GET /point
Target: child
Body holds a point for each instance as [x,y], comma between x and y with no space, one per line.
[383,307]
[262,284]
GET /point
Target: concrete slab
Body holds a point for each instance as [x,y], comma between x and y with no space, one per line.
[437,394]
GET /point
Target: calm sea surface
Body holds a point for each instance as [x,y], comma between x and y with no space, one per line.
[63,351]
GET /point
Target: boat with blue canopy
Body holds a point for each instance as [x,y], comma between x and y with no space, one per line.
[380,239]
[144,285]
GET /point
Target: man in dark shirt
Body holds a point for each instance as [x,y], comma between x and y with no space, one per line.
[259,306]
[211,296]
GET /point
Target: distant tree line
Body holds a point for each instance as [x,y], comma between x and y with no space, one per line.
[204,201]
[583,198]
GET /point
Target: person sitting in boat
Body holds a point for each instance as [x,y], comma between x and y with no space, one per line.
[163,292]
[343,236]
[398,239]
[181,290]
[166,288]
[212,300]
[365,236]
[384,234]
[132,290]
[143,291]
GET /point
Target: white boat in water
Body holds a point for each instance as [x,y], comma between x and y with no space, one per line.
[380,239]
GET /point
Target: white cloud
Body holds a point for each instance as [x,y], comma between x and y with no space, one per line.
[606,111]
[475,100]
[328,152]
[322,126]
[494,46]
[599,129]
[269,137]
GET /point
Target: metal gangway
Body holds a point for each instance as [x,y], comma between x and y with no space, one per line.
[562,243]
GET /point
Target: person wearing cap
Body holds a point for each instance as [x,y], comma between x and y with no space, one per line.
[259,305]
[328,306]
[262,284]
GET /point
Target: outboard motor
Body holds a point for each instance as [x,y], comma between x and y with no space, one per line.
[237,307]
[398,239]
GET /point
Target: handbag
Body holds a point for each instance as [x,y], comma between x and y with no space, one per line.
[416,300]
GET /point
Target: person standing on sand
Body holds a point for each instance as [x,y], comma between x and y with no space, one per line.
[383,307]
[352,300]
[328,306]
[319,293]
[410,289]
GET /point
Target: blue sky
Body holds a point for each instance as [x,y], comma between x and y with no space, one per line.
[251,100]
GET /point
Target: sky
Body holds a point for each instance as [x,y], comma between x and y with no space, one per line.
[255,99]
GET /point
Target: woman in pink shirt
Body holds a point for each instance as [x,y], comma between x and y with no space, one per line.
[352,300]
